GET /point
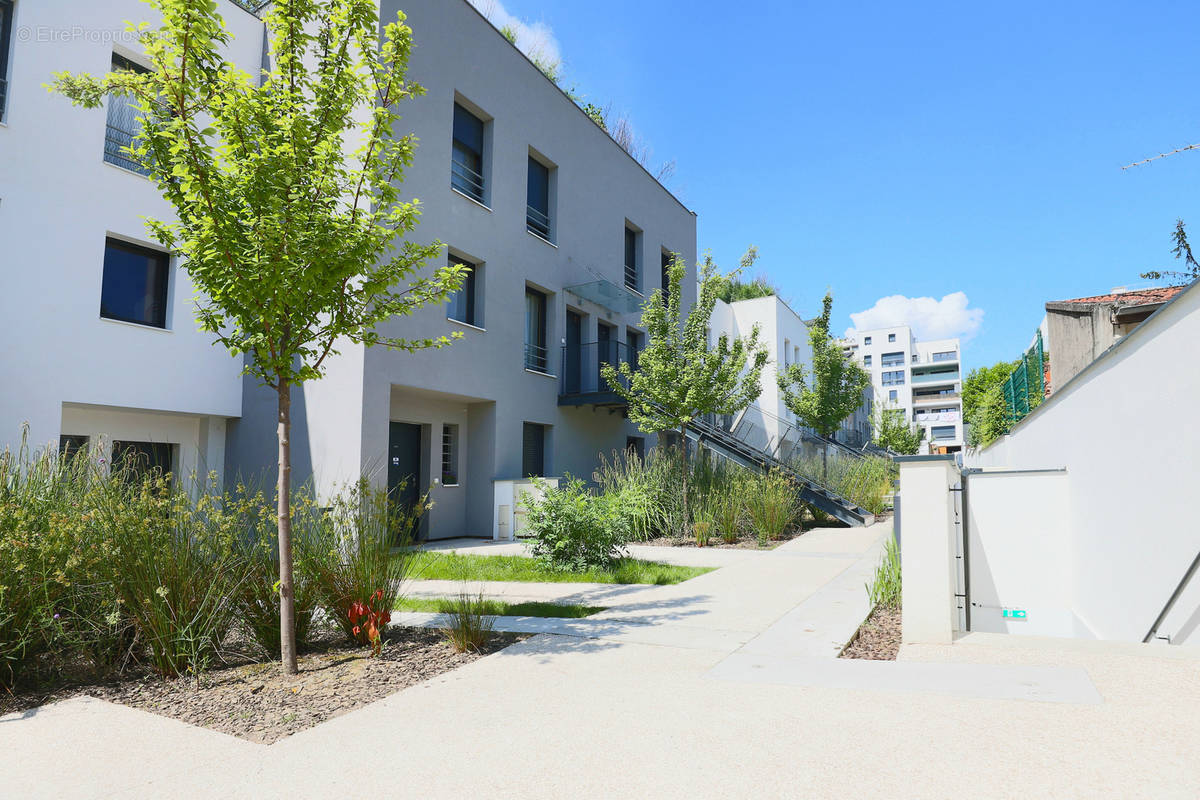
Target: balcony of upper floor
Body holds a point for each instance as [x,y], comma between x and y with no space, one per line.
[581,380]
[943,358]
[941,398]
[936,373]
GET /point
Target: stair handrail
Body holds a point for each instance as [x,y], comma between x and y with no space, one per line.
[1162,615]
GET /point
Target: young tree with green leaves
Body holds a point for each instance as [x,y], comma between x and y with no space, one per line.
[284,185]
[679,377]
[895,432]
[983,404]
[833,389]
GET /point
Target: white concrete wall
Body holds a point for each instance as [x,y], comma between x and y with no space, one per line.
[928,544]
[58,202]
[1131,493]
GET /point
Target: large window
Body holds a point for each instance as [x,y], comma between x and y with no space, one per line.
[124,123]
[633,342]
[143,459]
[466,160]
[632,239]
[134,285]
[867,360]
[533,450]
[941,432]
[535,330]
[895,378]
[463,305]
[666,275]
[891,337]
[6,19]
[537,210]
[69,444]
[891,359]
[866,340]
[948,355]
[449,455]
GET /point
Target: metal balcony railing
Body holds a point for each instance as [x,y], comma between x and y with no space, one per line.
[581,377]
[631,277]
[944,357]
[3,97]
[466,180]
[123,127]
[537,223]
[935,377]
[536,357]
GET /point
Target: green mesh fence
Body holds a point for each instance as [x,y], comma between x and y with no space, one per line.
[1026,385]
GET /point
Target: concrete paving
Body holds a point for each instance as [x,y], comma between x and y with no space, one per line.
[589,710]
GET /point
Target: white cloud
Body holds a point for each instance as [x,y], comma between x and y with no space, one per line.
[948,318]
[533,38]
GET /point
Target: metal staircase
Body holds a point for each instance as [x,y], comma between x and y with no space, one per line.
[726,444]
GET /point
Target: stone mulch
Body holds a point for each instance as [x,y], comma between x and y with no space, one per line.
[255,701]
[717,543]
[878,639]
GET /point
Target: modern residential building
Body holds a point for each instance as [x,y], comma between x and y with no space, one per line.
[785,335]
[101,342]
[1077,331]
[922,379]
[565,235]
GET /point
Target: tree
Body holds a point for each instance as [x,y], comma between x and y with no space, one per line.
[895,432]
[983,404]
[284,186]
[679,377]
[833,390]
[1181,250]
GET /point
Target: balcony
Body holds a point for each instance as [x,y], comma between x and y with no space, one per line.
[580,382]
[935,399]
[537,223]
[936,377]
[537,358]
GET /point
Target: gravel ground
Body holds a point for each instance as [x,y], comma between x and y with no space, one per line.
[717,543]
[878,639]
[256,701]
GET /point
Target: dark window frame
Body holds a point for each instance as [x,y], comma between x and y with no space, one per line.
[153,452]
[536,354]
[7,12]
[450,475]
[538,219]
[632,259]
[163,290]
[463,133]
[122,123]
[469,291]
[69,444]
[533,449]
[665,278]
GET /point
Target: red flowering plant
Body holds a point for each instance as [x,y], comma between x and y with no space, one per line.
[368,622]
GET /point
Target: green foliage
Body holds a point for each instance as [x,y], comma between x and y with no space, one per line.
[500,608]
[429,565]
[1182,251]
[573,530]
[884,590]
[772,506]
[833,390]
[470,622]
[984,408]
[894,431]
[738,289]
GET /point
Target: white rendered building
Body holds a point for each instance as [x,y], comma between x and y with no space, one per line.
[923,379]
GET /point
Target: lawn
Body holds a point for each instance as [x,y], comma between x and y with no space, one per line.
[499,608]
[459,567]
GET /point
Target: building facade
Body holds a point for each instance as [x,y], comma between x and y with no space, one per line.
[102,346]
[921,379]
[565,236]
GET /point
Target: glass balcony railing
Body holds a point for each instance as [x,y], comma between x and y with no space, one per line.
[582,379]
[935,377]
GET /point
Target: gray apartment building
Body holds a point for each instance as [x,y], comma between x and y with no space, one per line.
[565,235]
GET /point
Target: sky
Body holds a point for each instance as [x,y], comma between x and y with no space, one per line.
[953,166]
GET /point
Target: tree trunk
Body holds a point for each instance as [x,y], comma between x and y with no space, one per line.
[683,448]
[287,593]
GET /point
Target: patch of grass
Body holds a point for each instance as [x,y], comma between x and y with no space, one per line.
[499,608]
[427,565]
[885,589]
[470,622]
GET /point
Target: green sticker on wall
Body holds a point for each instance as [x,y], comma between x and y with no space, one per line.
[1014,613]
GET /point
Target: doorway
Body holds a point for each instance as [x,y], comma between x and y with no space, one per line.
[573,353]
[404,466]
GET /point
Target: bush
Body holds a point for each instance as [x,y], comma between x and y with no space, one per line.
[357,549]
[772,505]
[573,530]
[470,623]
[865,481]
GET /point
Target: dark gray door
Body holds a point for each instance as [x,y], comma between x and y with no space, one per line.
[573,355]
[605,353]
[404,464]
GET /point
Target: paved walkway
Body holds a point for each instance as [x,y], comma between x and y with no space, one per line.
[719,687]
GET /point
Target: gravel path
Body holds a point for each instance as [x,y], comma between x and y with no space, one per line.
[879,637]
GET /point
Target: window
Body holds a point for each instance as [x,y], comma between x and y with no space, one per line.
[916,358]
[636,445]
[535,330]
[134,285]
[867,360]
[891,359]
[466,160]
[533,450]
[892,395]
[6,19]
[124,123]
[537,209]
[866,340]
[632,240]
[948,355]
[941,432]
[633,341]
[462,305]
[70,444]
[895,378]
[787,352]
[143,459]
[449,455]
[666,275]
[891,337]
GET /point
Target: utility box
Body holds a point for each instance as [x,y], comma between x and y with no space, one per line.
[509,498]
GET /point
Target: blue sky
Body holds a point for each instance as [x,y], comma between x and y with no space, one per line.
[920,150]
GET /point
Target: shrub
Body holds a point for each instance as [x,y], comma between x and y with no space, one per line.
[884,590]
[865,481]
[470,621]
[772,505]
[357,549]
[702,529]
[573,530]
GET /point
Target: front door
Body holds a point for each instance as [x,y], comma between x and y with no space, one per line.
[606,353]
[404,464]
[573,353]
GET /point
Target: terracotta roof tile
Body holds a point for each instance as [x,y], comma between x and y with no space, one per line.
[1139,297]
